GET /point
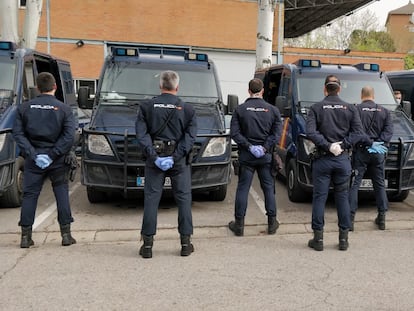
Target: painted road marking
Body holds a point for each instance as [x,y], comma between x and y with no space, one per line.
[51,209]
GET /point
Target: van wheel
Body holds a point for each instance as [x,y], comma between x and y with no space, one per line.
[95,196]
[14,195]
[398,197]
[295,192]
[219,194]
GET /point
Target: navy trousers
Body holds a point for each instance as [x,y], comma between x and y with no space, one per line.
[374,163]
[180,176]
[326,170]
[267,183]
[34,178]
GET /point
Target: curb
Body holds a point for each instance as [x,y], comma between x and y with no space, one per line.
[130,235]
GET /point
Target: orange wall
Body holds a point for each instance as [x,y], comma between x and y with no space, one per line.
[402,31]
[222,24]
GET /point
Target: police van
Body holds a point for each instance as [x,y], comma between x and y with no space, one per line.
[294,88]
[18,71]
[403,81]
[112,161]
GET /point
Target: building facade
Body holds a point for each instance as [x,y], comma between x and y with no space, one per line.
[79,31]
[400,25]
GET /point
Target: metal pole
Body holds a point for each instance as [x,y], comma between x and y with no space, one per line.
[48,24]
[280,31]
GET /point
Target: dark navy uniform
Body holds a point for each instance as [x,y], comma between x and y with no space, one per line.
[45,125]
[377,124]
[255,122]
[329,121]
[180,131]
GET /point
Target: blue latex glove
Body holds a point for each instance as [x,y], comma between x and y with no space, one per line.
[378,147]
[167,163]
[257,151]
[43,161]
[164,163]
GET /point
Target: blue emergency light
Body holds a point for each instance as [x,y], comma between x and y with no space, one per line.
[368,67]
[7,46]
[310,63]
[196,56]
[125,52]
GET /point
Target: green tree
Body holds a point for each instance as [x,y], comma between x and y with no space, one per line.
[373,41]
[409,61]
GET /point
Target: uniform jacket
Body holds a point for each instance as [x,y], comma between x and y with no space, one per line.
[255,122]
[376,121]
[181,128]
[333,120]
[44,125]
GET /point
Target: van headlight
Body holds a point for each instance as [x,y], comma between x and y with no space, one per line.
[217,146]
[2,140]
[309,146]
[98,144]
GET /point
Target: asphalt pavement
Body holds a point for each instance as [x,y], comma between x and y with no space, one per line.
[255,272]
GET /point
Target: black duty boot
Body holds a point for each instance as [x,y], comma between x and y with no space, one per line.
[317,242]
[272,224]
[67,238]
[343,240]
[186,247]
[237,226]
[26,240]
[352,222]
[380,221]
[146,249]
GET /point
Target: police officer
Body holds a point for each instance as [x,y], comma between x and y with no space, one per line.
[166,131]
[255,127]
[44,130]
[333,126]
[370,153]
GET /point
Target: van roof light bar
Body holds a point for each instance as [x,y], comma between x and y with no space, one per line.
[308,63]
[368,67]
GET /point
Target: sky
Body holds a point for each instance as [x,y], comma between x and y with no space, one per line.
[382,7]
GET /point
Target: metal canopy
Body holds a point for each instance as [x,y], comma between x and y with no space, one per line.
[303,16]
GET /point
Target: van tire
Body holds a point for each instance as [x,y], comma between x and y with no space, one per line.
[14,194]
[219,194]
[295,192]
[95,196]
[398,197]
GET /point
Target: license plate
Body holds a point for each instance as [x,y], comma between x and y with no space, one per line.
[141,181]
[367,183]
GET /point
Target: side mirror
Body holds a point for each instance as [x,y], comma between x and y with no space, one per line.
[232,103]
[84,100]
[282,105]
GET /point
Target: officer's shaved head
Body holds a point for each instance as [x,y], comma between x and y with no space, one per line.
[169,80]
[255,86]
[45,82]
[367,92]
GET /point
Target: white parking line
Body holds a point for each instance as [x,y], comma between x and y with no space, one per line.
[51,209]
[258,200]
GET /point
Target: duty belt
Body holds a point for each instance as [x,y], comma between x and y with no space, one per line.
[322,153]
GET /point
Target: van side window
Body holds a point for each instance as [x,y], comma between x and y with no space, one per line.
[274,84]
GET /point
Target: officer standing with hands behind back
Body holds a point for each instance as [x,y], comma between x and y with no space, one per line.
[333,126]
[256,128]
[369,154]
[44,130]
[166,130]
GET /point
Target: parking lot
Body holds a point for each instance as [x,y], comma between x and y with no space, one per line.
[104,272]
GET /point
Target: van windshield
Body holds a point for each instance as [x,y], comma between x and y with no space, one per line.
[141,81]
[7,70]
[310,89]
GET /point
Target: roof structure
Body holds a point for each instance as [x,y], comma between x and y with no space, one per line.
[303,16]
[404,10]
